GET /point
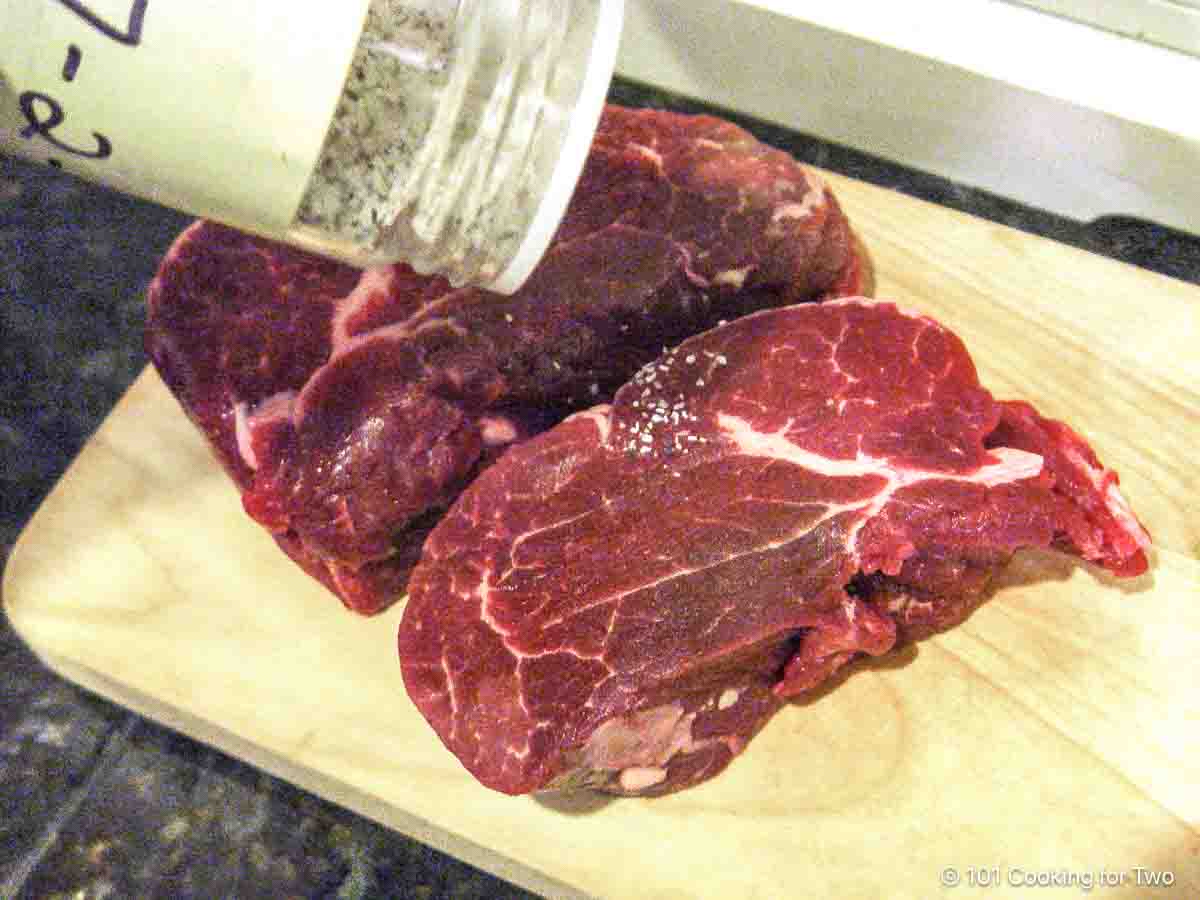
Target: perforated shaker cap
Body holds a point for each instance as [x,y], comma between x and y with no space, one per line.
[576,142]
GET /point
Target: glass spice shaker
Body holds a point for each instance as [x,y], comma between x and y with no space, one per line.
[448,134]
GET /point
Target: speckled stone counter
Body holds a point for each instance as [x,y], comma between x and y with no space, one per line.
[97,802]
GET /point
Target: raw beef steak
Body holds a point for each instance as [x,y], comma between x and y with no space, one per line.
[622,601]
[352,407]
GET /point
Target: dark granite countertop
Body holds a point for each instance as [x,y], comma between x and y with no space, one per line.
[97,802]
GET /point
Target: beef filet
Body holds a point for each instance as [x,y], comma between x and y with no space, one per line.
[624,600]
[351,407]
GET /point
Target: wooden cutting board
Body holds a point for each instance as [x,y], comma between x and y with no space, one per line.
[1052,737]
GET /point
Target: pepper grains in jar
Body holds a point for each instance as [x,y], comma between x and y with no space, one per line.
[460,134]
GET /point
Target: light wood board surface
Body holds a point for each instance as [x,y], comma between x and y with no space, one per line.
[1054,735]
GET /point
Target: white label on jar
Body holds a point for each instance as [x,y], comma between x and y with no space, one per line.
[216,107]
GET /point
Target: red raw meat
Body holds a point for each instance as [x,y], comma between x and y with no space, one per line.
[351,407]
[623,601]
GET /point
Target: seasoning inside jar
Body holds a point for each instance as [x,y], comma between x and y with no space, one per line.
[460,133]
